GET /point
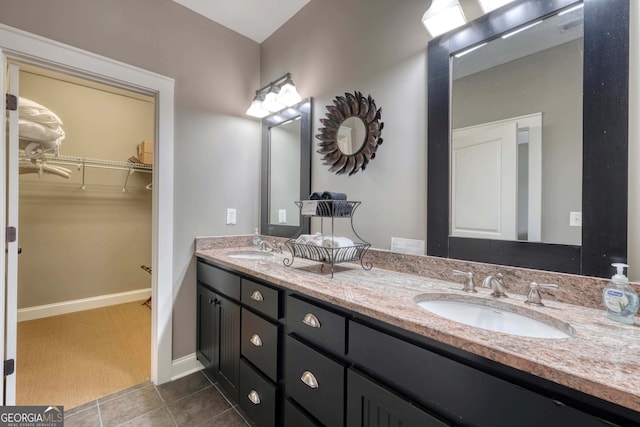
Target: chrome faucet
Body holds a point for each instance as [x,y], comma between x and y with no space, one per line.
[270,246]
[497,285]
[469,285]
[534,296]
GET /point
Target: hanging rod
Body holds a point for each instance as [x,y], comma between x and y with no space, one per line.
[95,163]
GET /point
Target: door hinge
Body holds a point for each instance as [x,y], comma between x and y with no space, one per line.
[10,234]
[9,367]
[12,102]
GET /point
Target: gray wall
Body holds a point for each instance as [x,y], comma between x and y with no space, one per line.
[549,82]
[217,150]
[377,47]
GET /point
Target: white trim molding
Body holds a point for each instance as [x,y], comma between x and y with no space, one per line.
[184,366]
[24,47]
[65,307]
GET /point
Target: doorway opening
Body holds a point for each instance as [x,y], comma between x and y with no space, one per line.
[85,214]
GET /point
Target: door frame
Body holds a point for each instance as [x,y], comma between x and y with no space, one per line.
[29,48]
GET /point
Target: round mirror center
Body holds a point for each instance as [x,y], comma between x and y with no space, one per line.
[351,135]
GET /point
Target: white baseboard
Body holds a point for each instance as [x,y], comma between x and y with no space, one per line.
[184,366]
[40,311]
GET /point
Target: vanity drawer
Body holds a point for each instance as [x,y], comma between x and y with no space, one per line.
[294,417]
[317,325]
[258,397]
[316,382]
[219,280]
[259,343]
[262,298]
[451,389]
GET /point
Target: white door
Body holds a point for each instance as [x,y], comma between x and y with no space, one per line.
[484,182]
[8,306]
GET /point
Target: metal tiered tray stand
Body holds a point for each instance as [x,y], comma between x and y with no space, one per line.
[331,209]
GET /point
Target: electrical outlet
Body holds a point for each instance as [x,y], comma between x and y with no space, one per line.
[282,216]
[575,219]
[231,216]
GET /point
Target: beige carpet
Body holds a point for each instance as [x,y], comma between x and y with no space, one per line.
[74,358]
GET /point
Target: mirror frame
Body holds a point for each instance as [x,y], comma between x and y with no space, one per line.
[303,110]
[605,142]
[344,107]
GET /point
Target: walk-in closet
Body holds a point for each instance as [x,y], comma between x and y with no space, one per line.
[85,233]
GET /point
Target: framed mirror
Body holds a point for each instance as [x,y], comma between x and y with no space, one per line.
[589,124]
[351,133]
[286,170]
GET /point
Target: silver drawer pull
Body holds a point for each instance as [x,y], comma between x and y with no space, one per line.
[309,379]
[254,397]
[256,340]
[311,320]
[257,296]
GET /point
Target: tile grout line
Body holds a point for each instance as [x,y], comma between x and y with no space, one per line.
[99,413]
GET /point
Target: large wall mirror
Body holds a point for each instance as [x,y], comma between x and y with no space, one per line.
[528,135]
[286,169]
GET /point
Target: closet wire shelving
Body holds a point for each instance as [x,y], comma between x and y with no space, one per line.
[82,163]
[332,209]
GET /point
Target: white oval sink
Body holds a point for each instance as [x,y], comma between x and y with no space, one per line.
[250,254]
[495,316]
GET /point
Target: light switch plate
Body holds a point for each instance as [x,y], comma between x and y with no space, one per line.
[575,219]
[231,216]
[282,216]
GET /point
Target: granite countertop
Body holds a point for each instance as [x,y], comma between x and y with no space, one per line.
[601,359]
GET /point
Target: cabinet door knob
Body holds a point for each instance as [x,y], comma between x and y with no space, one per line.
[256,340]
[254,397]
[257,296]
[311,320]
[309,379]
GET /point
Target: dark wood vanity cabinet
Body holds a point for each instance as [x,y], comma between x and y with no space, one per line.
[315,364]
[218,336]
[239,340]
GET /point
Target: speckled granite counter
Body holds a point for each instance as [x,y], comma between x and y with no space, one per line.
[601,359]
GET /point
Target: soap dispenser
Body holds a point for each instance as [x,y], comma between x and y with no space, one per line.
[256,238]
[620,299]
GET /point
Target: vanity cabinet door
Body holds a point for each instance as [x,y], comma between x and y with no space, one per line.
[370,405]
[207,327]
[228,348]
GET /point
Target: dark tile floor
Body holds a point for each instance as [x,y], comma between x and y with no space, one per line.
[194,400]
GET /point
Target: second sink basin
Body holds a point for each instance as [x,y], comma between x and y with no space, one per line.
[249,254]
[494,316]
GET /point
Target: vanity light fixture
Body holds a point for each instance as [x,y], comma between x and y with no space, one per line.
[489,5]
[273,97]
[443,16]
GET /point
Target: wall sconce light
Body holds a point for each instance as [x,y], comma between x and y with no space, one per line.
[273,97]
[443,16]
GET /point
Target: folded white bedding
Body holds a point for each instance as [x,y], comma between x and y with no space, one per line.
[32,111]
[38,132]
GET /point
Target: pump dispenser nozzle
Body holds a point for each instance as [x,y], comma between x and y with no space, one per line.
[619,277]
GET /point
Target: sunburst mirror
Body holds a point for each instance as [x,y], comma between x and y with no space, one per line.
[351,133]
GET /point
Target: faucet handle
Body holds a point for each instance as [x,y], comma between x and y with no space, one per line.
[534,296]
[469,285]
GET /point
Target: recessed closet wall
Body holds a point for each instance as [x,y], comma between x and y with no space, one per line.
[79,243]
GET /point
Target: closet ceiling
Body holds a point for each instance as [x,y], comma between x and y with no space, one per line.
[255,19]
